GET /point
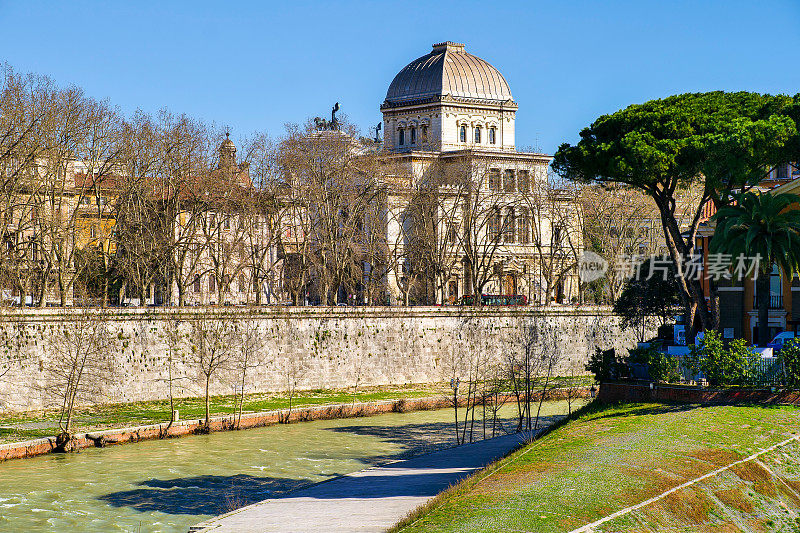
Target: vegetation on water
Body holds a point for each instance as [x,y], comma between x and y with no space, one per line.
[611,457]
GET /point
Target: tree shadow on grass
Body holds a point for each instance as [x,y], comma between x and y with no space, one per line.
[598,412]
[202,495]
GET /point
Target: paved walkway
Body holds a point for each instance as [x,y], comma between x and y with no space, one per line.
[370,500]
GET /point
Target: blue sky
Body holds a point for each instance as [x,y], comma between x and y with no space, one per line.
[254,66]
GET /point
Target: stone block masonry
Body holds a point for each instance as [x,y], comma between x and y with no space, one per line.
[302,347]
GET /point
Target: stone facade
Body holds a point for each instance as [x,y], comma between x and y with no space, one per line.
[314,347]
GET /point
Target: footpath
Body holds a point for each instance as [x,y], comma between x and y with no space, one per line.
[370,500]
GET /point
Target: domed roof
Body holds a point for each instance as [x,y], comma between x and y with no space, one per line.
[228,143]
[448,69]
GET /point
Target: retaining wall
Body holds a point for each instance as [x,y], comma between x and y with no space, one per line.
[310,348]
[636,392]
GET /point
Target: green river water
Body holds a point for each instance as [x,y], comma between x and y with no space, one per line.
[168,485]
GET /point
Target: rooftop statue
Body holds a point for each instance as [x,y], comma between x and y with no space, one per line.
[332,124]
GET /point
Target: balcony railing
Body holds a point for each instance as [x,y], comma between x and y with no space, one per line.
[775,301]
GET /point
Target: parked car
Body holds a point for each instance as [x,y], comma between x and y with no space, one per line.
[780,339]
[496,299]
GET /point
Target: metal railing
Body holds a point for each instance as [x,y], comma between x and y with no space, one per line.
[764,371]
[775,301]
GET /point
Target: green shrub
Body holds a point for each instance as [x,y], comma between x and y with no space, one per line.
[734,365]
[660,366]
[604,365]
[790,356]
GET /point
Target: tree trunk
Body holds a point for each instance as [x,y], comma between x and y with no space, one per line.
[208,406]
[762,294]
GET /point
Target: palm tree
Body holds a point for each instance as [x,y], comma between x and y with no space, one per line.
[761,225]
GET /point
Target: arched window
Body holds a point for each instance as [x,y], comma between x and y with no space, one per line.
[477,134]
[462,133]
[402,137]
[492,135]
[413,135]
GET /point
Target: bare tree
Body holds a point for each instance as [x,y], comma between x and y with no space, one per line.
[337,180]
[531,365]
[84,349]
[250,342]
[175,338]
[556,234]
[292,371]
[211,350]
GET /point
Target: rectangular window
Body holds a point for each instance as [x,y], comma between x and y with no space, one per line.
[413,135]
[492,138]
[782,172]
[494,180]
[242,283]
[92,232]
[522,181]
[462,134]
[509,231]
[452,233]
[508,181]
[494,225]
[424,133]
[522,227]
[212,283]
[197,284]
[402,134]
[477,135]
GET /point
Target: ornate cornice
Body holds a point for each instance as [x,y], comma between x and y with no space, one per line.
[443,99]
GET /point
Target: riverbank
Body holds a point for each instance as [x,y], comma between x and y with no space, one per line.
[625,468]
[370,501]
[125,435]
[167,485]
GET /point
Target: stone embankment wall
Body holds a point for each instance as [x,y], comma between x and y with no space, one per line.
[306,348]
[627,392]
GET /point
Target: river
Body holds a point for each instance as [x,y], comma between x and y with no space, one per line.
[168,485]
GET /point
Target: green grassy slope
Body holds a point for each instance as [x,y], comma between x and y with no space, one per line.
[614,457]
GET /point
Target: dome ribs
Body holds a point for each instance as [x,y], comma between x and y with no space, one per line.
[448,69]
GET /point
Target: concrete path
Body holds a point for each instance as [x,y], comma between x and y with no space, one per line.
[370,500]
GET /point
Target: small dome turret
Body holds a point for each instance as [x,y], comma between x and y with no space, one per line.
[227,152]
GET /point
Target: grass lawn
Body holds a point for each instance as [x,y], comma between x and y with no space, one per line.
[22,426]
[612,457]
